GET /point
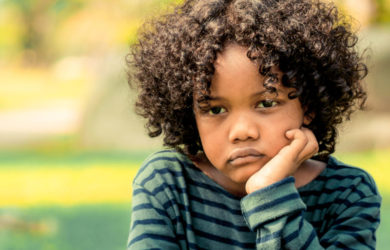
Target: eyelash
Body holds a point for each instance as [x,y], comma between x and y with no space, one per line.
[217,110]
[268,101]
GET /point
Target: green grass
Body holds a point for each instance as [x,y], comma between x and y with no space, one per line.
[105,225]
[383,239]
[15,159]
[100,226]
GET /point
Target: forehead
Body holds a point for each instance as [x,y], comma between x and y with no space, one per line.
[233,65]
[233,55]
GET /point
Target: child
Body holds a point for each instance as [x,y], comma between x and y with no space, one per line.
[248,94]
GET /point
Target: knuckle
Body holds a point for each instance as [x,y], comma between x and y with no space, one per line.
[316,147]
[305,139]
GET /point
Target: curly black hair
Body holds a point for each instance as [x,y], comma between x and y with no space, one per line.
[308,40]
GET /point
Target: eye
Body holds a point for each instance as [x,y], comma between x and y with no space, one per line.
[216,110]
[267,104]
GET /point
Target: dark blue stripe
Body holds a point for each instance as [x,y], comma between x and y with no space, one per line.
[195,246]
[291,218]
[319,224]
[153,193]
[159,189]
[328,242]
[347,203]
[338,244]
[347,177]
[218,238]
[301,218]
[273,203]
[148,222]
[317,193]
[159,158]
[367,204]
[161,172]
[156,237]
[216,205]
[150,177]
[209,219]
[342,246]
[198,247]
[294,234]
[178,218]
[141,191]
[212,188]
[329,218]
[182,207]
[171,203]
[349,230]
[369,217]
[366,217]
[149,206]
[182,190]
[291,236]
[309,240]
[224,223]
[352,229]
[337,165]
[269,237]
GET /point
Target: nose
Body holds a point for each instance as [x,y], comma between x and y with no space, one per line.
[243,127]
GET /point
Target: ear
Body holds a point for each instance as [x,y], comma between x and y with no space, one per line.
[308,118]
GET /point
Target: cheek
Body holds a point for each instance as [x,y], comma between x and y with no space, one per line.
[212,140]
[276,141]
[274,135]
[208,135]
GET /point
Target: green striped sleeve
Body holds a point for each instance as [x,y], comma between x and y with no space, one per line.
[276,214]
[269,210]
[151,226]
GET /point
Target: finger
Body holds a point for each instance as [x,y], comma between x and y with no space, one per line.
[298,143]
[312,144]
[311,147]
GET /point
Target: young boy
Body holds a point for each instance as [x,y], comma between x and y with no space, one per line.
[248,94]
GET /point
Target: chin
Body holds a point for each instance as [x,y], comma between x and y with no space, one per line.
[243,174]
[242,178]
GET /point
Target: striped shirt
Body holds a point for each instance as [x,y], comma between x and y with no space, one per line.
[177,206]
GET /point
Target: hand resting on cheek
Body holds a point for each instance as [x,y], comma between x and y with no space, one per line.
[303,145]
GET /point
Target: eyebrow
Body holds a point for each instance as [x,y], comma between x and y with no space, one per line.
[260,93]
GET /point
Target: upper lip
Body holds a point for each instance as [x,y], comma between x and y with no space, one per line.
[243,152]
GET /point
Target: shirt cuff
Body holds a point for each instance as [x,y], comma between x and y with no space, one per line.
[272,202]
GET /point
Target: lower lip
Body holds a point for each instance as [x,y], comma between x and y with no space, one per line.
[245,160]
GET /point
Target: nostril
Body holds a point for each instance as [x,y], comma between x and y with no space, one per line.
[243,131]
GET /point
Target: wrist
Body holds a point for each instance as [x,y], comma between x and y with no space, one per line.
[254,184]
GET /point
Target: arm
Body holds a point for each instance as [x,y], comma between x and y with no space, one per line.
[275,213]
[151,227]
[274,209]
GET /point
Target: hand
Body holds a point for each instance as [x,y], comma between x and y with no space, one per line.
[285,163]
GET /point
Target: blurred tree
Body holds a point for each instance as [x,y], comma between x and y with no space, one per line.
[365,11]
[11,32]
[39,19]
[383,11]
[31,25]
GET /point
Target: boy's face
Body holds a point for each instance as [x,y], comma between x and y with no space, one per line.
[246,124]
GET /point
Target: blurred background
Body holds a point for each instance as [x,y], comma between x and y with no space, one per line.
[70,142]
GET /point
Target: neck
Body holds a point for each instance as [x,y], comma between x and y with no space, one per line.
[308,171]
[236,189]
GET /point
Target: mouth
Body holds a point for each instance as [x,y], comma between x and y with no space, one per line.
[243,156]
